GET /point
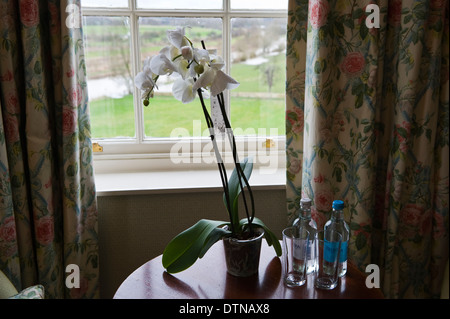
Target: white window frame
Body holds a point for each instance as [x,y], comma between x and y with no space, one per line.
[153,154]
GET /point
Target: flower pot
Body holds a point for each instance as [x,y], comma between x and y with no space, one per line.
[242,255]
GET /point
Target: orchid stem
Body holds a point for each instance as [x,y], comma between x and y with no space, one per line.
[220,164]
[239,170]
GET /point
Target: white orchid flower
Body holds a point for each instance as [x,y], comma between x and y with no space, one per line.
[217,62]
[182,90]
[182,58]
[171,52]
[146,67]
[178,63]
[200,63]
[177,38]
[202,56]
[161,65]
[216,80]
[145,80]
[182,67]
[221,82]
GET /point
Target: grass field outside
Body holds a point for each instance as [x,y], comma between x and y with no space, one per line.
[165,114]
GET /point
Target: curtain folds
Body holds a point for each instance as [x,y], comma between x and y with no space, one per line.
[48,209]
[367,122]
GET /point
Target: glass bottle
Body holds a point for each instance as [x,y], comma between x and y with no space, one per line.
[337,223]
[304,220]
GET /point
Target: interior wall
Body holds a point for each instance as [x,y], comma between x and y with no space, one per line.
[135,228]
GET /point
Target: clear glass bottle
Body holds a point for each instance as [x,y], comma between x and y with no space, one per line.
[337,223]
[304,220]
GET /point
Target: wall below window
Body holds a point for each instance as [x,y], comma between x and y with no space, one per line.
[135,228]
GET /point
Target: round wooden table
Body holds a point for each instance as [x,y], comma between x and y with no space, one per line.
[208,279]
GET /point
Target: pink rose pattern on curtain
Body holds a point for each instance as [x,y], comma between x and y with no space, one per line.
[48,209]
[367,122]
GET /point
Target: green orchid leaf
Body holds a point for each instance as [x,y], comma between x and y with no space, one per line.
[185,248]
[270,237]
[235,189]
[214,236]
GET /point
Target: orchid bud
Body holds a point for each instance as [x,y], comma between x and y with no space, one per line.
[187,53]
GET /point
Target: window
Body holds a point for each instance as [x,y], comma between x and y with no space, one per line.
[119,34]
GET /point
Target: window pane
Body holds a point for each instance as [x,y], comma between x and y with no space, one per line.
[179,4]
[110,85]
[165,113]
[104,3]
[259,4]
[258,48]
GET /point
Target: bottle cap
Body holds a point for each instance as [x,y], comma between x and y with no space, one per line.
[338,204]
[305,202]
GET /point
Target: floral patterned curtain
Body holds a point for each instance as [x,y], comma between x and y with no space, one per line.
[367,122]
[48,210]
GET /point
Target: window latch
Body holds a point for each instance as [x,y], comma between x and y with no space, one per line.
[268,143]
[97,148]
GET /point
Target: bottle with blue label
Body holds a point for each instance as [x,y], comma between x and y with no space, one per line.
[304,220]
[337,223]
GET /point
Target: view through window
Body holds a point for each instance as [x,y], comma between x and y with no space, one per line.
[121,34]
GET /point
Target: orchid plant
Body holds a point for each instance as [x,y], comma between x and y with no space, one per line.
[200,72]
